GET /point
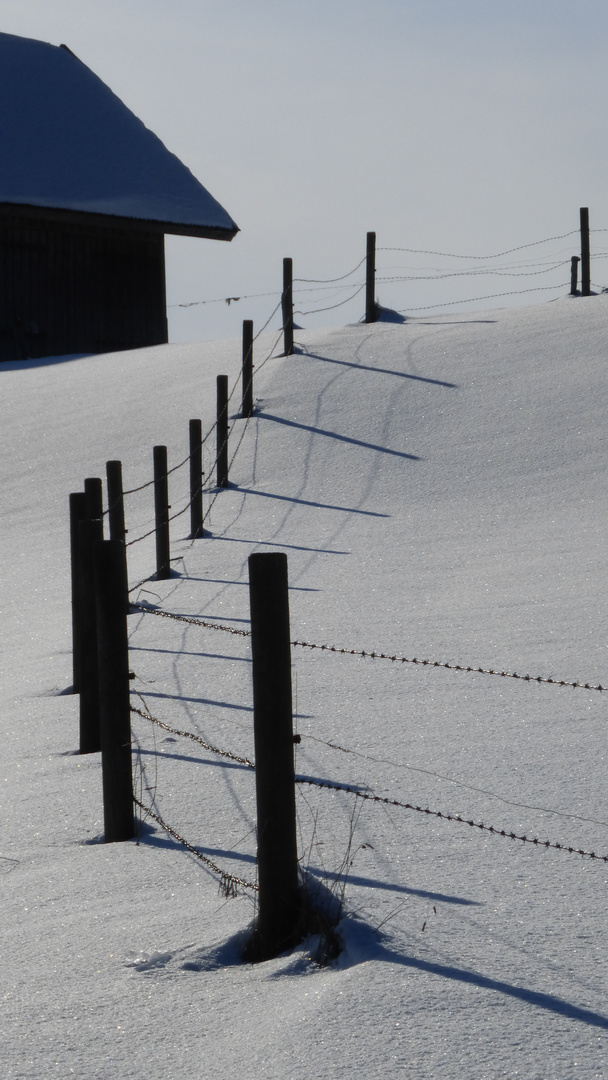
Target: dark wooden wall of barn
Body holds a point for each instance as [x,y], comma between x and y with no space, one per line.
[74,288]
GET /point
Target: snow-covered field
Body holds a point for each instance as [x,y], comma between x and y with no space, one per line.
[439,489]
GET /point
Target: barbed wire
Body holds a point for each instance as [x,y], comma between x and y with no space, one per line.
[437,275]
[179,513]
[450,780]
[448,666]
[268,320]
[326,281]
[366,795]
[489,296]
[205,438]
[497,255]
[356,753]
[367,757]
[342,277]
[440,276]
[253,296]
[370,797]
[224,299]
[519,264]
[219,451]
[331,307]
[320,283]
[229,883]
[145,609]
[147,715]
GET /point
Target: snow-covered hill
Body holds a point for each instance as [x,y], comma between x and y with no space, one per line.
[439,488]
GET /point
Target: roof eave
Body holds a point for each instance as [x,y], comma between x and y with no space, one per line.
[113,221]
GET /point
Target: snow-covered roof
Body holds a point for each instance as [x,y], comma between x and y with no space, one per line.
[67,143]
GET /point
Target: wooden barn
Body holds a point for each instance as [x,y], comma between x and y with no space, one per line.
[87,194]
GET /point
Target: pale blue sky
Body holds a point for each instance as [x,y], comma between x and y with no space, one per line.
[469,127]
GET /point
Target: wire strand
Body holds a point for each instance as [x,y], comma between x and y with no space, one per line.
[490,296]
[448,817]
[497,255]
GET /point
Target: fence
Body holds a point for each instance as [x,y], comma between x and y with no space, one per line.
[102,674]
[378,272]
[282,776]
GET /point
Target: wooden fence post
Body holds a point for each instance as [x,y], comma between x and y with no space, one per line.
[279,922]
[79,510]
[161,513]
[287,306]
[114,696]
[247,376]
[116,502]
[221,429]
[94,493]
[89,532]
[195,431]
[585,256]
[371,309]
[574,261]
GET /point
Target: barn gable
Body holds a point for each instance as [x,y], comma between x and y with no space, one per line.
[87,193]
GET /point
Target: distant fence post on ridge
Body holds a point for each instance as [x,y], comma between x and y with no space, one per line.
[585,256]
[371,309]
[287,305]
[574,261]
[221,431]
[161,512]
[195,430]
[247,371]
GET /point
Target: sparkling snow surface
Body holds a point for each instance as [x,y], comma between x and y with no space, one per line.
[68,142]
[439,488]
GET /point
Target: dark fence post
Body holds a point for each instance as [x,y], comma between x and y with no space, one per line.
[116,502]
[196,478]
[221,429]
[371,310]
[247,376]
[287,306]
[574,274]
[114,697]
[79,510]
[585,256]
[89,533]
[94,493]
[161,513]
[279,917]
